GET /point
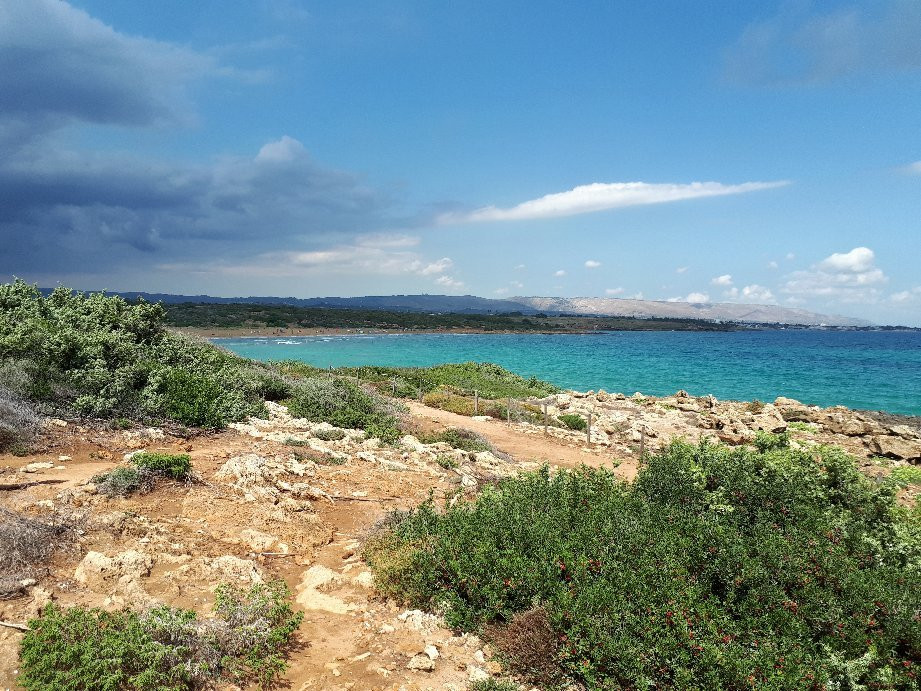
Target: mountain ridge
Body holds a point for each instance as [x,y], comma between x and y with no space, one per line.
[587,306]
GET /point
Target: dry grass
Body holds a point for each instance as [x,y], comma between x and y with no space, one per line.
[530,647]
[19,423]
[27,545]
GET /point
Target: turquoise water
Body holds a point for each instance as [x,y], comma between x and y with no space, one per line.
[865,370]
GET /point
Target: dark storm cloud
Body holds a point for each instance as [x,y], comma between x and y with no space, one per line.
[115,209]
[61,68]
[59,65]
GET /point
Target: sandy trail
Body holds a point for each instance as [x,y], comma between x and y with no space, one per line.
[527,443]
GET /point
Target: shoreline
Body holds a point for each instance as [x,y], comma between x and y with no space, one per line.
[236,332]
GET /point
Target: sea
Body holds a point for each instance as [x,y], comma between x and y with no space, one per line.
[868,370]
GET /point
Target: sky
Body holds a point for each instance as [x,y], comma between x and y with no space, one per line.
[707,151]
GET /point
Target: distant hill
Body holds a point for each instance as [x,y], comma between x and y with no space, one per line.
[721,311]
[471,304]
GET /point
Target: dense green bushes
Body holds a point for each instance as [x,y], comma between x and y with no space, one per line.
[100,356]
[490,380]
[163,649]
[344,404]
[572,421]
[717,568]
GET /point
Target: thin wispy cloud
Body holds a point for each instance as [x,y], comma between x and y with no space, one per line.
[913,168]
[592,264]
[798,46]
[600,196]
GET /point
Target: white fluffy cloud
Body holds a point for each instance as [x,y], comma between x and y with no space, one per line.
[559,273]
[600,196]
[681,269]
[906,295]
[756,293]
[436,267]
[724,280]
[449,282]
[693,298]
[592,264]
[847,276]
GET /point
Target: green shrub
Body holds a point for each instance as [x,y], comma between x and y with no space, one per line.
[718,568]
[329,434]
[99,356]
[492,685]
[905,475]
[123,481]
[768,441]
[452,402]
[343,404]
[490,380]
[573,421]
[458,438]
[174,466]
[163,649]
[446,462]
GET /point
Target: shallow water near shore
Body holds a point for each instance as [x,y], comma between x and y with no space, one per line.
[863,370]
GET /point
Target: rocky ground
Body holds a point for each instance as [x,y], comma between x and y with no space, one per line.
[279,498]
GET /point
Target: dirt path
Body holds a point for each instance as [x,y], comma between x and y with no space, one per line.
[527,443]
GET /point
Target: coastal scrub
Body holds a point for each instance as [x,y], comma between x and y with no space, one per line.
[718,568]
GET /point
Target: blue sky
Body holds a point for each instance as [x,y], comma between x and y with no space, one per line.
[700,151]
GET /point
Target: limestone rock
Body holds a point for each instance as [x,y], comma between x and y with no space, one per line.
[792,410]
[895,447]
[838,420]
[96,567]
[421,663]
[769,420]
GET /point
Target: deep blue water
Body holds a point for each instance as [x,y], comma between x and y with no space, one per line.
[866,370]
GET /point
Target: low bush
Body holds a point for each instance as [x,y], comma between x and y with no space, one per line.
[141,476]
[163,649]
[458,438]
[329,434]
[493,685]
[490,380]
[905,475]
[768,441]
[452,402]
[123,482]
[446,462]
[573,421]
[717,568]
[173,466]
[343,404]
